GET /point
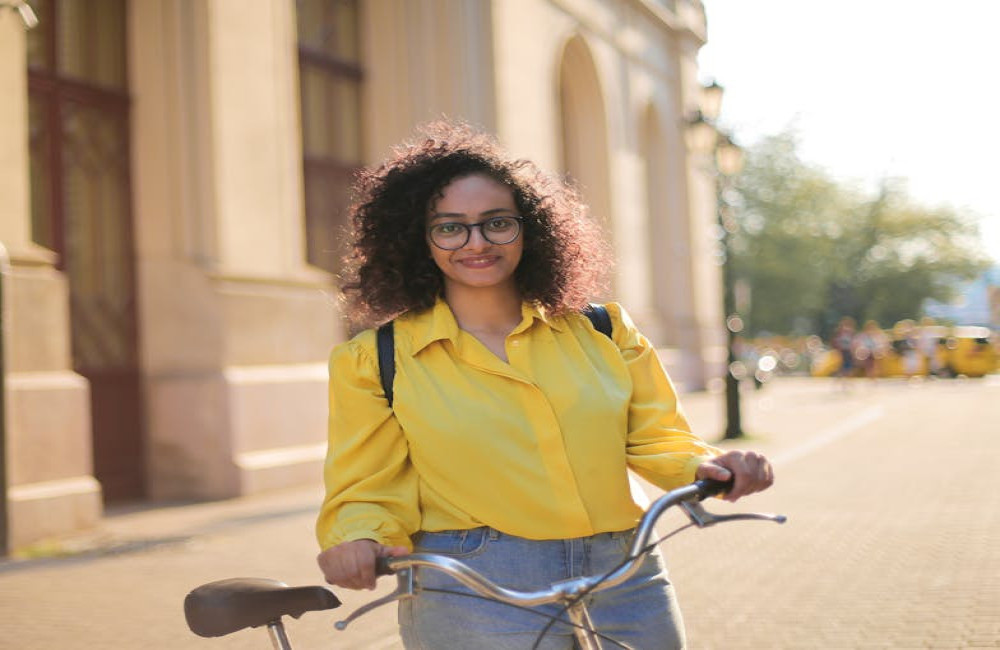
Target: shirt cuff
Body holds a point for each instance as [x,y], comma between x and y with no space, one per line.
[374,531]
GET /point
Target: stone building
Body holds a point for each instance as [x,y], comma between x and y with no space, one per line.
[173,175]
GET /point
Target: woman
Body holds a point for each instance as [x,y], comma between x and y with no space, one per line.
[871,348]
[514,420]
[844,341]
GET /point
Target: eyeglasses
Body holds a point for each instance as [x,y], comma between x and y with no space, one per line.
[452,235]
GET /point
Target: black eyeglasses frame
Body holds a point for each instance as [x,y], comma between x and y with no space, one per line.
[479,224]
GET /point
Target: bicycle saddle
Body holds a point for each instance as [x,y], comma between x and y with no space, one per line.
[225,606]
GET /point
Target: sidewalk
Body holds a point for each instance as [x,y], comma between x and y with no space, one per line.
[857,566]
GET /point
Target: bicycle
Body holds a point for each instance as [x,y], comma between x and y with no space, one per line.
[226,606]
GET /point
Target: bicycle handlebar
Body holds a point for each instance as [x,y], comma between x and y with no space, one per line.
[693,492]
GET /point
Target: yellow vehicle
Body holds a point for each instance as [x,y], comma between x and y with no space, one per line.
[963,350]
[907,356]
[825,363]
[970,351]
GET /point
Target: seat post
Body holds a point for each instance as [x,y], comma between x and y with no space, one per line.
[279,640]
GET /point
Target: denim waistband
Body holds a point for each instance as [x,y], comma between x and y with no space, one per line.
[495,534]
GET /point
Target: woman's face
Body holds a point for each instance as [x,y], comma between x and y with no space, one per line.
[479,263]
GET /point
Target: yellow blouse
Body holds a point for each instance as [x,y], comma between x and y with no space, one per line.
[535,447]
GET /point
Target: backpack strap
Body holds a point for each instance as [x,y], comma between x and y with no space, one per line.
[386,343]
[599,316]
[386,358]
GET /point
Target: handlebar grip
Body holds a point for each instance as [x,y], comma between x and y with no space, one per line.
[382,567]
[709,487]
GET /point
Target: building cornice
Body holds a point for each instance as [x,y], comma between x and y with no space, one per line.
[688,21]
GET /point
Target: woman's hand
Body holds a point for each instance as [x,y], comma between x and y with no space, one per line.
[750,472]
[352,564]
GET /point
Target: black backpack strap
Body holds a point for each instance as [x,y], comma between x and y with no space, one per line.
[386,342]
[598,315]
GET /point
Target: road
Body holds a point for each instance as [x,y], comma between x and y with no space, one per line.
[892,540]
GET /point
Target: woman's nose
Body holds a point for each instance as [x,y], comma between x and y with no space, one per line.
[476,239]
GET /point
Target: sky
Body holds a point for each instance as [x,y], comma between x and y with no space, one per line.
[874,88]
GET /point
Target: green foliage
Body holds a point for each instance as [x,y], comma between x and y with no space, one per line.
[814,249]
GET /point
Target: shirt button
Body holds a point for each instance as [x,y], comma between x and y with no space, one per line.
[515,343]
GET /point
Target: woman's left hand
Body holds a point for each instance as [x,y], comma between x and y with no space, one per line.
[750,471]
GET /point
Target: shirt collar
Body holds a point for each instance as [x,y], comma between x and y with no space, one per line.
[438,323]
[434,324]
[531,313]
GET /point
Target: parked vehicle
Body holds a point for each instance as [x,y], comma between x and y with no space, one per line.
[970,351]
[964,350]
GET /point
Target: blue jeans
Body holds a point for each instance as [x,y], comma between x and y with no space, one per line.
[640,613]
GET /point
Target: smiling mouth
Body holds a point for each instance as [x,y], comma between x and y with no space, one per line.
[478,262]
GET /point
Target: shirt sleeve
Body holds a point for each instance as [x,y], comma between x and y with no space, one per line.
[371,486]
[660,446]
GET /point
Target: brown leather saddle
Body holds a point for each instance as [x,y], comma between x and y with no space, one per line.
[225,606]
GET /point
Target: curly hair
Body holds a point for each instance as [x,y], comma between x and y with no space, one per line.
[389,269]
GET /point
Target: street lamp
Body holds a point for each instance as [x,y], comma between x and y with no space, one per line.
[704,136]
[711,100]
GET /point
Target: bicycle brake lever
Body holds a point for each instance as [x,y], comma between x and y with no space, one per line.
[406,587]
[703,518]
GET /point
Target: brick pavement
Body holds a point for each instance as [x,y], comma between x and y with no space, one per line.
[893,538]
[871,556]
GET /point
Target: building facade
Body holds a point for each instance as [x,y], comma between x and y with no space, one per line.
[174,178]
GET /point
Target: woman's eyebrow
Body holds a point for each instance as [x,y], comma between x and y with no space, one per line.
[439,215]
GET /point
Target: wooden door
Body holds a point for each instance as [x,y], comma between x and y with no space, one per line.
[81,209]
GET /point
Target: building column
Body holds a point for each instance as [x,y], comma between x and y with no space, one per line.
[701,323]
[235,326]
[50,487]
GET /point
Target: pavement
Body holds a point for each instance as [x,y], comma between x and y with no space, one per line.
[892,539]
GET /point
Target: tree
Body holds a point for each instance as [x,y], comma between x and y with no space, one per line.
[813,249]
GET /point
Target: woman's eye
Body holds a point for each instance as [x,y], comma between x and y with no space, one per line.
[448,228]
[498,225]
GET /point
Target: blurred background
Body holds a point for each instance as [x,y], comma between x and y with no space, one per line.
[868,192]
[176,175]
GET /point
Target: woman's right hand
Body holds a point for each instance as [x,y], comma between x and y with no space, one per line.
[352,564]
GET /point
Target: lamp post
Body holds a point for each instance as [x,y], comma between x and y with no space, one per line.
[727,161]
